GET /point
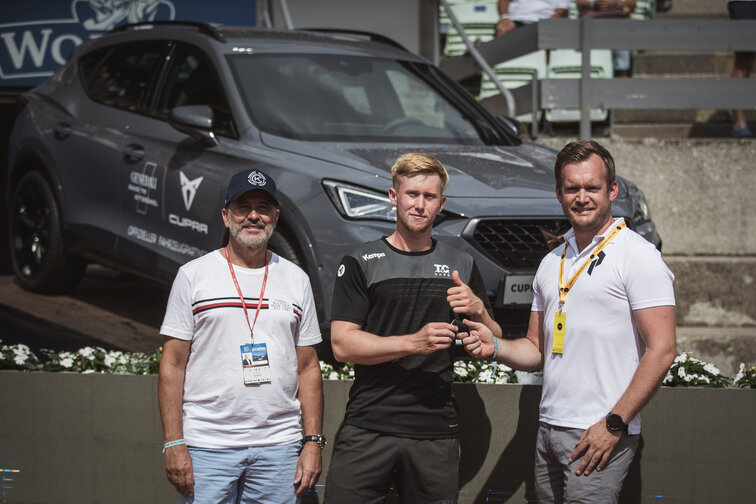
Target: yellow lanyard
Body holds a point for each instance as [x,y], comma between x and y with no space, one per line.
[565,288]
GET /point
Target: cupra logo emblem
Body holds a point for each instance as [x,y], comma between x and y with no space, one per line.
[189,189]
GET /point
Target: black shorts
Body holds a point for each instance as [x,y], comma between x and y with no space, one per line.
[365,464]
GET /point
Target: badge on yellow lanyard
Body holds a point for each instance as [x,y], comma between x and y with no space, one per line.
[560,317]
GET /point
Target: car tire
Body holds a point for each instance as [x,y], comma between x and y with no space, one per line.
[283,244]
[38,256]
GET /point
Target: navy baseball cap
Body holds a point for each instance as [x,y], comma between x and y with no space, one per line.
[250,180]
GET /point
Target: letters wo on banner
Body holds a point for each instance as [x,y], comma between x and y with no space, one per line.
[34,42]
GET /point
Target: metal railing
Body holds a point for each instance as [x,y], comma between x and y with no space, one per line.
[586,93]
[480,60]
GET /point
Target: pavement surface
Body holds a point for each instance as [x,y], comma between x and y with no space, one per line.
[108,309]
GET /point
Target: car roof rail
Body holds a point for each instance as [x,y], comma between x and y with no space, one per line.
[205,28]
[376,37]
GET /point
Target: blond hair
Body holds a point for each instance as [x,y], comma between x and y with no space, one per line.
[416,163]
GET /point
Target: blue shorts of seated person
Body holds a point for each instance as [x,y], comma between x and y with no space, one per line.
[244,475]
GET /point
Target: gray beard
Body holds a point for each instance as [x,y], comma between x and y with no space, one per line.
[250,242]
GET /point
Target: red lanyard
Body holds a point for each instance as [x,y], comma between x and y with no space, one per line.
[244,305]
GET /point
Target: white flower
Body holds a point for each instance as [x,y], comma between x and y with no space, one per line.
[111,358]
[21,350]
[681,372]
[485,376]
[333,375]
[67,362]
[711,368]
[87,353]
[741,373]
[19,359]
[681,358]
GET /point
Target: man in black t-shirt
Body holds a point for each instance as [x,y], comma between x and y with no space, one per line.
[393,302]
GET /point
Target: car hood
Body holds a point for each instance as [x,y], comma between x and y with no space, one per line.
[482,172]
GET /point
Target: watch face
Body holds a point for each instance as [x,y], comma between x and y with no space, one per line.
[614,422]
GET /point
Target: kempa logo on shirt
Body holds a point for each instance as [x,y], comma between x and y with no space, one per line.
[376,255]
[342,268]
[442,270]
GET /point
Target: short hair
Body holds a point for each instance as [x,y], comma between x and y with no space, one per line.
[575,152]
[416,163]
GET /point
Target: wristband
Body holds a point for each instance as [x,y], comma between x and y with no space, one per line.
[493,357]
[505,16]
[173,443]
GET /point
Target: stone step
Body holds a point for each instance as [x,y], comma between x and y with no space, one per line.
[714,291]
[671,130]
[695,9]
[646,116]
[725,347]
[688,63]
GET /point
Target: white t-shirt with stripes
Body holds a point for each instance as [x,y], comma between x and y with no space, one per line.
[204,307]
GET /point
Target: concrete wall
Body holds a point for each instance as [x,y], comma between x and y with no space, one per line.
[84,439]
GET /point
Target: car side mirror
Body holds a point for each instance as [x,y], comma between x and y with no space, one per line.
[512,125]
[196,121]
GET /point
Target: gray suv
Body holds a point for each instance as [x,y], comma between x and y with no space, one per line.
[122,157]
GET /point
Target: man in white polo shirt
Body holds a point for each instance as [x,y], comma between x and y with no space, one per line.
[515,13]
[602,328]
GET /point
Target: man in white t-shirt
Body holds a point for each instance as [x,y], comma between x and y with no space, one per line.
[515,13]
[239,368]
[602,328]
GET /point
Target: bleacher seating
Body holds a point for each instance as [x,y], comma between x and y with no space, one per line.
[479,17]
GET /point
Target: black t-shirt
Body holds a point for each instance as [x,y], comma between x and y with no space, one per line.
[390,292]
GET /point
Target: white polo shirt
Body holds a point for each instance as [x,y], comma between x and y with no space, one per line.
[602,346]
[531,11]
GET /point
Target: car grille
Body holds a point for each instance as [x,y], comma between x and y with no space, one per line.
[516,244]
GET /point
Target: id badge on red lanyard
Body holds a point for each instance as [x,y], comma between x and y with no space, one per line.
[254,357]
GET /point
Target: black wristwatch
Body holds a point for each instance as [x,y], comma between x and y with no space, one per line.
[615,423]
[320,439]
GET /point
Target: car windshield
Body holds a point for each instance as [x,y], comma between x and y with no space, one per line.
[355,98]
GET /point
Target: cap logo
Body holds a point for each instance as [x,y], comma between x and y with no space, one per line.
[257,178]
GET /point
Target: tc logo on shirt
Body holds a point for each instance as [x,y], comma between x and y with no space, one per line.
[442,270]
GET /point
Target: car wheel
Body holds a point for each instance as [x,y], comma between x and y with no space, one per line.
[283,244]
[39,259]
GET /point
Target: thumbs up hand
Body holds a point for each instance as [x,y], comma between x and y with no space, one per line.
[462,299]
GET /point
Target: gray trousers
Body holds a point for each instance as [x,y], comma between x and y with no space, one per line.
[555,478]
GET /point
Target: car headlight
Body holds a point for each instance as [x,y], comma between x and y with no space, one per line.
[358,203]
[642,212]
[643,206]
